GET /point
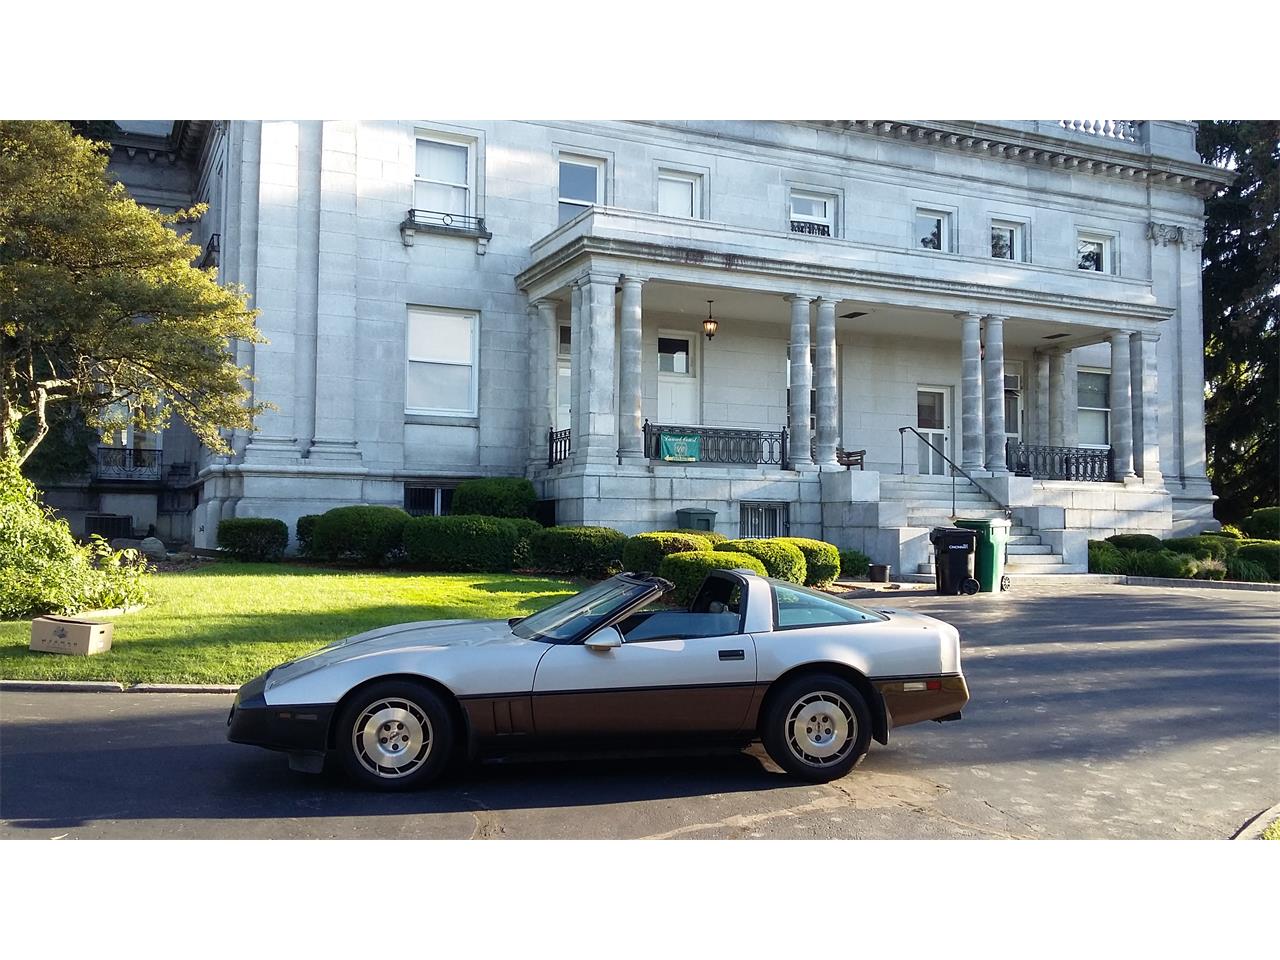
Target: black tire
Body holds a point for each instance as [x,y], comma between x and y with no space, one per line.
[419,735]
[969,586]
[842,707]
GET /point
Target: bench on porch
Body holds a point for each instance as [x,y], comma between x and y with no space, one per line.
[850,458]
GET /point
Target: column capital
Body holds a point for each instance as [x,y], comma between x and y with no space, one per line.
[597,276]
[544,304]
[1148,336]
[968,315]
[798,298]
[831,300]
[995,318]
[1115,336]
[633,281]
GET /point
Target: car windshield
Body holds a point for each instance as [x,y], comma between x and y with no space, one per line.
[567,619]
[796,606]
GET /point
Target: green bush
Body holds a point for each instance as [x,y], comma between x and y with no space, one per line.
[1228,531]
[525,529]
[43,569]
[368,535]
[463,543]
[1157,563]
[782,560]
[1105,557]
[1262,524]
[305,530]
[854,563]
[1135,541]
[1246,570]
[253,539]
[1265,553]
[710,535]
[1210,569]
[645,551]
[821,560]
[1202,548]
[688,570]
[495,497]
[585,551]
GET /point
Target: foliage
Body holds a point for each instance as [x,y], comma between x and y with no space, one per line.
[1265,553]
[821,560]
[305,530]
[67,450]
[101,307]
[687,570]
[1202,548]
[1262,524]
[364,534]
[1246,570]
[1135,541]
[525,529]
[1105,557]
[782,560]
[854,563]
[1241,306]
[1157,563]
[1228,531]
[43,569]
[464,542]
[254,539]
[495,497]
[645,551]
[584,551]
[1211,569]
[704,534]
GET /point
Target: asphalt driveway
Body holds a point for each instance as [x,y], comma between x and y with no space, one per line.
[1109,712]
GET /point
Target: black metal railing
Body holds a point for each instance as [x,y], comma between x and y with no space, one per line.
[1059,463]
[722,444]
[437,221]
[557,446]
[955,469]
[212,251]
[127,463]
[813,229]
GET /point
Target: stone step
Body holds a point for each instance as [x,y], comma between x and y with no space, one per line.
[944,506]
[1024,538]
[941,519]
[1020,531]
[1024,562]
[932,496]
[1027,549]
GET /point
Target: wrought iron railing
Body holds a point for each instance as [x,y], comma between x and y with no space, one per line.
[811,228]
[1126,130]
[437,221]
[1059,463]
[127,463]
[955,469]
[212,251]
[722,444]
[557,446]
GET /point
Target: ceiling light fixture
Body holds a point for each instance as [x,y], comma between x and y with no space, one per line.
[709,325]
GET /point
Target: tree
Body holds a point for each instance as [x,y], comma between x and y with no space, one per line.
[1241,299]
[101,306]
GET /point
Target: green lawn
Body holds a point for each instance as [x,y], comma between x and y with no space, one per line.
[231,621]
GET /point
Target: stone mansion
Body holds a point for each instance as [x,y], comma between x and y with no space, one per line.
[806,327]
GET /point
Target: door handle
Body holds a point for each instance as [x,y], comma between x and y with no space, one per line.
[733,655]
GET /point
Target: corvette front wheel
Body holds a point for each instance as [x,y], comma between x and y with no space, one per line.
[395,735]
[816,727]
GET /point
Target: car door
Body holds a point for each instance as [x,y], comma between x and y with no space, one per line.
[653,686]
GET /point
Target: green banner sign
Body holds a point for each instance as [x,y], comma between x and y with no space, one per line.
[680,447]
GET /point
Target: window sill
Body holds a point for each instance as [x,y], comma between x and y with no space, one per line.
[441,420]
[444,224]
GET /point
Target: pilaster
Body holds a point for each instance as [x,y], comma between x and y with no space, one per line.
[1121,408]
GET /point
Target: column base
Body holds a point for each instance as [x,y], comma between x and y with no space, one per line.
[345,450]
[273,449]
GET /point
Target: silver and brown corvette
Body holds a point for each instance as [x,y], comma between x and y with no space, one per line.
[813,677]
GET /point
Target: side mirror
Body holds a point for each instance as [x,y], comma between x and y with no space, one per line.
[607,639]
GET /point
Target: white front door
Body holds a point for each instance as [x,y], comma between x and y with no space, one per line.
[677,379]
[933,421]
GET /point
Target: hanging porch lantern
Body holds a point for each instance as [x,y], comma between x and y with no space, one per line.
[709,325]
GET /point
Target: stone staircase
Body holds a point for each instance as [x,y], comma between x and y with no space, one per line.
[928,504]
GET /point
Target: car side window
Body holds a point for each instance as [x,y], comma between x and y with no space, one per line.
[798,607]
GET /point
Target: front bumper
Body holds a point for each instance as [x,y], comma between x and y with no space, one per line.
[291,727]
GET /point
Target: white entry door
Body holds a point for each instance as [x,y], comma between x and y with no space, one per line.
[934,422]
[677,379]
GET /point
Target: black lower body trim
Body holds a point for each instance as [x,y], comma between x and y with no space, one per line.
[294,727]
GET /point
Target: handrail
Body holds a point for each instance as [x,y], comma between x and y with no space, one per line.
[955,468]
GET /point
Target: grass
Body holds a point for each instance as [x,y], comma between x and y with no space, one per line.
[1272,832]
[230,621]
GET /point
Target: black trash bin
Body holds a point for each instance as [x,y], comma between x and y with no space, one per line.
[953,556]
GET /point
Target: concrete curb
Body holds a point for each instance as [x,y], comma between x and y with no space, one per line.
[97,686]
[1116,579]
[182,688]
[1253,829]
[1202,584]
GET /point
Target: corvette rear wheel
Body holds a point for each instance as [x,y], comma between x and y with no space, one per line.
[395,735]
[816,727]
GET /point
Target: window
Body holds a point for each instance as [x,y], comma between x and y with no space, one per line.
[763,520]
[424,500]
[564,348]
[1013,400]
[933,230]
[442,177]
[1094,252]
[679,194]
[813,213]
[797,607]
[674,356]
[1093,414]
[1007,241]
[441,362]
[581,185]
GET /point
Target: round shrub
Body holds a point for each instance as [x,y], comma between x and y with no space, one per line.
[1228,531]
[254,539]
[645,551]
[854,563]
[363,534]
[585,551]
[1105,557]
[704,534]
[1262,524]
[688,570]
[821,560]
[463,543]
[782,560]
[495,497]
[1202,548]
[1265,553]
[1157,563]
[1135,541]
[304,530]
[1246,570]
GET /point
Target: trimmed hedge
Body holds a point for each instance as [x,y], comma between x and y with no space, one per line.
[368,534]
[854,563]
[1264,553]
[1135,541]
[525,529]
[463,543]
[1105,557]
[645,551]
[782,560]
[512,497]
[1202,548]
[1262,524]
[255,539]
[1157,563]
[1246,570]
[304,530]
[585,551]
[1228,531]
[821,560]
[704,534]
[688,570]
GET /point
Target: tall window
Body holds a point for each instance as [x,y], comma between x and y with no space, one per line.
[442,177]
[1095,252]
[1093,416]
[679,194]
[933,230]
[441,369]
[581,185]
[674,356]
[1007,241]
[813,213]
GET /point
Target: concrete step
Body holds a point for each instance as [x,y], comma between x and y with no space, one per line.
[928,496]
[1020,531]
[944,506]
[1027,561]
[937,518]
[1028,549]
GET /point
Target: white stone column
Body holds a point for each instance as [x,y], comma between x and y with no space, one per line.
[1041,397]
[993,394]
[1121,408]
[600,417]
[1146,419]
[542,365]
[631,348]
[307,280]
[577,339]
[801,381]
[972,444]
[825,381]
[1057,398]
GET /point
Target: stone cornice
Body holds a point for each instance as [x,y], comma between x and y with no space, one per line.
[1124,162]
[1164,234]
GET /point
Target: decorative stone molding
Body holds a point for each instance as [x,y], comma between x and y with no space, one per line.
[1192,237]
[1164,233]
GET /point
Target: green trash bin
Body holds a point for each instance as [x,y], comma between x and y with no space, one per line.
[993,541]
